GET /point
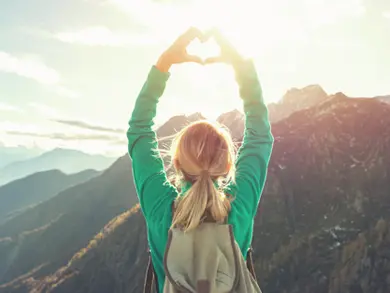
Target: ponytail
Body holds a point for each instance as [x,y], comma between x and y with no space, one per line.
[203,198]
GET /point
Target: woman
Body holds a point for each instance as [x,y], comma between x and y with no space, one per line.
[203,157]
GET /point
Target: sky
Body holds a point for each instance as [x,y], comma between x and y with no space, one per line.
[70,71]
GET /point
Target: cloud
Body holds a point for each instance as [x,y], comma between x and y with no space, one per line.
[333,11]
[118,143]
[66,92]
[85,125]
[138,11]
[103,36]
[29,68]
[36,70]
[63,136]
[158,16]
[44,109]
[12,126]
[377,6]
[10,108]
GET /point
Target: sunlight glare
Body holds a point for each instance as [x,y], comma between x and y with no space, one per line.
[253,26]
[233,18]
[257,28]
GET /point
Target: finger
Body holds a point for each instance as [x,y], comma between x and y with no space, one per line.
[211,60]
[193,58]
[205,36]
[219,37]
[186,38]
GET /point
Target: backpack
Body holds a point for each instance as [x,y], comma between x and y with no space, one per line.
[205,260]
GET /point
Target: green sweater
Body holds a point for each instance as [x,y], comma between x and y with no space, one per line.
[156,195]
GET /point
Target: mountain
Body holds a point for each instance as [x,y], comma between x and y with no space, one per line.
[66,160]
[17,196]
[385,99]
[233,121]
[120,268]
[176,123]
[323,222]
[18,153]
[43,238]
[296,99]
[166,131]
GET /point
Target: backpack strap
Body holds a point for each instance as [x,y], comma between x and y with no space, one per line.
[150,277]
[249,263]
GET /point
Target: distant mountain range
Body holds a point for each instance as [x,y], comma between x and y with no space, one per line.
[67,160]
[21,194]
[295,100]
[323,223]
[12,154]
[385,99]
[46,236]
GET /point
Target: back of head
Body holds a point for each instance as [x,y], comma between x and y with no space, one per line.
[202,154]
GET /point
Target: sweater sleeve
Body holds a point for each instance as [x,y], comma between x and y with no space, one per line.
[153,189]
[254,154]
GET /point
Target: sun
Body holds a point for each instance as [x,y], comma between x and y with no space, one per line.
[282,37]
[253,26]
[227,16]
[215,90]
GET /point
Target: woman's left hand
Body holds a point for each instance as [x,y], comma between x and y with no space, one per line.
[177,52]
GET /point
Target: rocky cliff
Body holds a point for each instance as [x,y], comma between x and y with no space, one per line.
[295,100]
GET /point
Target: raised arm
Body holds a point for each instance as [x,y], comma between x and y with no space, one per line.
[148,168]
[254,154]
[154,192]
[255,151]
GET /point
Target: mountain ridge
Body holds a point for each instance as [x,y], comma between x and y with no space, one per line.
[296,99]
[66,160]
[16,153]
[23,193]
[329,170]
[312,217]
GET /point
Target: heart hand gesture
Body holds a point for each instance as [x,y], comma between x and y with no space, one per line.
[177,52]
[228,54]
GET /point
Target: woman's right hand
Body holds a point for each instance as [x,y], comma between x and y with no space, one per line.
[228,54]
[177,52]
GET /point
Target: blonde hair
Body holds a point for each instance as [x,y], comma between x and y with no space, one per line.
[203,155]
